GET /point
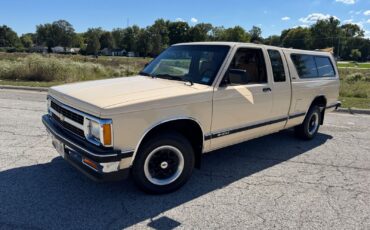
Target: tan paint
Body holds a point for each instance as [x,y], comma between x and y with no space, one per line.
[137,104]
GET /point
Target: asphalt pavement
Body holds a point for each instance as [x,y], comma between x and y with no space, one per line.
[276,181]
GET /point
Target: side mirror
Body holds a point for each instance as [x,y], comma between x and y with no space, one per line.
[225,81]
[236,74]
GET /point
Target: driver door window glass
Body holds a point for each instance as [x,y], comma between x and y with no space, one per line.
[247,67]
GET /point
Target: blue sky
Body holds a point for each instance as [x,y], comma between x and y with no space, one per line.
[271,15]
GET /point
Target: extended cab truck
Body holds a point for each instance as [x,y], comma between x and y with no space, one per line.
[192,99]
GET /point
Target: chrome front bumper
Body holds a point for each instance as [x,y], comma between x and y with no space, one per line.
[77,151]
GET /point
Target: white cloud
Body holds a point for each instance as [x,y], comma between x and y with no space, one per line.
[179,20]
[367,13]
[348,2]
[303,26]
[347,21]
[286,18]
[194,20]
[314,17]
[368,21]
[367,34]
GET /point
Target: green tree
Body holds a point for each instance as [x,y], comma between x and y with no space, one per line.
[144,46]
[255,34]
[9,38]
[356,54]
[273,40]
[27,40]
[235,34]
[178,32]
[59,33]
[78,41]
[200,32]
[352,30]
[106,40]
[325,33]
[117,35]
[298,38]
[93,45]
[159,36]
[130,37]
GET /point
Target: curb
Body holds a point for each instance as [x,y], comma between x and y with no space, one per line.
[38,89]
[353,111]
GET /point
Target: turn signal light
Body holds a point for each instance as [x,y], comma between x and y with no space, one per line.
[107,134]
[90,163]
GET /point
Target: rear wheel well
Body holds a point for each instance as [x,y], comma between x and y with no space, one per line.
[321,102]
[190,129]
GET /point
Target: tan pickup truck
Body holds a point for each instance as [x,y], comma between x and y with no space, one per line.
[192,99]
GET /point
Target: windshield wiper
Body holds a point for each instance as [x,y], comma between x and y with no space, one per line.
[170,77]
[146,74]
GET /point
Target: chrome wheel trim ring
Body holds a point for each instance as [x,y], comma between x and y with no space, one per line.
[175,175]
[313,123]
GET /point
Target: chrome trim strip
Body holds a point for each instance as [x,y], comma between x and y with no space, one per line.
[162,122]
[66,119]
[243,128]
[84,126]
[79,147]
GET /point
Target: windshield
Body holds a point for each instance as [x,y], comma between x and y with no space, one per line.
[189,63]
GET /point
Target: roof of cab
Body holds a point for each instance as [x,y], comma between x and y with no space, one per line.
[232,44]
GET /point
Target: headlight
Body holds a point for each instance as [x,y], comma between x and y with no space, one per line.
[100,132]
[94,130]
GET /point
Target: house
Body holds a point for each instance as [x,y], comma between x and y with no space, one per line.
[72,50]
[119,52]
[113,52]
[38,49]
[58,49]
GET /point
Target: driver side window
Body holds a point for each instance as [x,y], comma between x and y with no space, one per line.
[247,67]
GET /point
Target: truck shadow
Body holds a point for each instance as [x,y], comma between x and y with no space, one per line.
[56,196]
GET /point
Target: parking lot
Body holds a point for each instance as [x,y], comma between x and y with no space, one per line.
[275,181]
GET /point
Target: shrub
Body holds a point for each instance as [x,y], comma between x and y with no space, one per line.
[354,77]
[36,67]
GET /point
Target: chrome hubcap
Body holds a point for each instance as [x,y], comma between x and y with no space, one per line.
[164,165]
[313,124]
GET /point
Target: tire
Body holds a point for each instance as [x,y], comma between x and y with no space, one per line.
[311,124]
[163,164]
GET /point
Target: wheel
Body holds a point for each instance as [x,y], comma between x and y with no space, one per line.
[164,163]
[310,126]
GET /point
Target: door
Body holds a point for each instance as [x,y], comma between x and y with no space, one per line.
[242,104]
[281,85]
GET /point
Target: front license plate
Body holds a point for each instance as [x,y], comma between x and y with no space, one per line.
[59,146]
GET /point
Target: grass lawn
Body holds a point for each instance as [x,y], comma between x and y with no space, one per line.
[353,65]
[353,102]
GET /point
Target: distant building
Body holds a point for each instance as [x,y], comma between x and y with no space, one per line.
[38,49]
[131,54]
[119,52]
[72,50]
[58,49]
[113,52]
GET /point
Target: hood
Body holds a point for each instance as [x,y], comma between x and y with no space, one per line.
[93,96]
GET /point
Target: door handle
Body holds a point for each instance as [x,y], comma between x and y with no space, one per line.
[266,89]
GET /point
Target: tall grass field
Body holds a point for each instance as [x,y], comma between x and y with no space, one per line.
[47,70]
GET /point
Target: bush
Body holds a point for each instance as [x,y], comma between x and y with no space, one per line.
[36,67]
[354,77]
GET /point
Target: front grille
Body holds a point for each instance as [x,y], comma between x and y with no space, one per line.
[69,127]
[67,113]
